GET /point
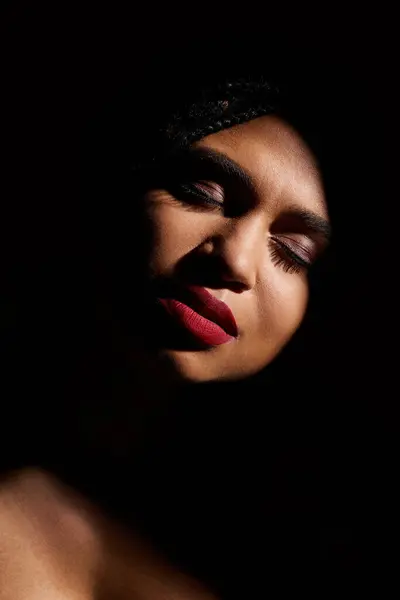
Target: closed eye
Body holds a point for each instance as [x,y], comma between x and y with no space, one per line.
[293,255]
[199,193]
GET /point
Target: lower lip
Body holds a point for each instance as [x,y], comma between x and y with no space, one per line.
[199,327]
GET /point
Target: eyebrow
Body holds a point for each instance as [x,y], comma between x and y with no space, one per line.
[221,164]
[228,167]
[314,222]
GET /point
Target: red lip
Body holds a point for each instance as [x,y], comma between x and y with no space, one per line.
[208,319]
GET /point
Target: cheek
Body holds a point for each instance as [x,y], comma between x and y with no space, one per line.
[284,302]
[174,233]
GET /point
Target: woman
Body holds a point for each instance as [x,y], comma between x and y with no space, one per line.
[229,216]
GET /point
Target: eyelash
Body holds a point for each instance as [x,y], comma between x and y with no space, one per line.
[282,256]
[198,195]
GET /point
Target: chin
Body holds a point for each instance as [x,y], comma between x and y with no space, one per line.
[191,366]
[209,365]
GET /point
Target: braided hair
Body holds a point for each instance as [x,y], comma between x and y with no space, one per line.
[229,103]
[141,132]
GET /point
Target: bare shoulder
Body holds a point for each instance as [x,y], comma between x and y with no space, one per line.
[54,546]
[30,563]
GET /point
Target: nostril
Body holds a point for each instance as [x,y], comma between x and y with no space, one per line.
[236,286]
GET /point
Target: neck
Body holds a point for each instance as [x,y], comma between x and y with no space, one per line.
[114,410]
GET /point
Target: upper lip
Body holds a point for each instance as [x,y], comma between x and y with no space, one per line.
[207,305]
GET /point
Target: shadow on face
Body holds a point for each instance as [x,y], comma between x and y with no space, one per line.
[242,216]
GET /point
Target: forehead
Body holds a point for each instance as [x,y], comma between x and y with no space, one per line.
[278,160]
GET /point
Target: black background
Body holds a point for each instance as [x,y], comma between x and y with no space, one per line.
[290,479]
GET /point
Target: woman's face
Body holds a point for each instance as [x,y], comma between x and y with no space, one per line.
[239,218]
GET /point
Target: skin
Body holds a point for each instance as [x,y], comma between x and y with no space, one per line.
[54,542]
[235,252]
[56,545]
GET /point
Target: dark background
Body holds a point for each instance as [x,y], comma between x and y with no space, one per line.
[289,479]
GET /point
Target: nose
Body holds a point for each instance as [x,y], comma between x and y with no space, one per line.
[239,250]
